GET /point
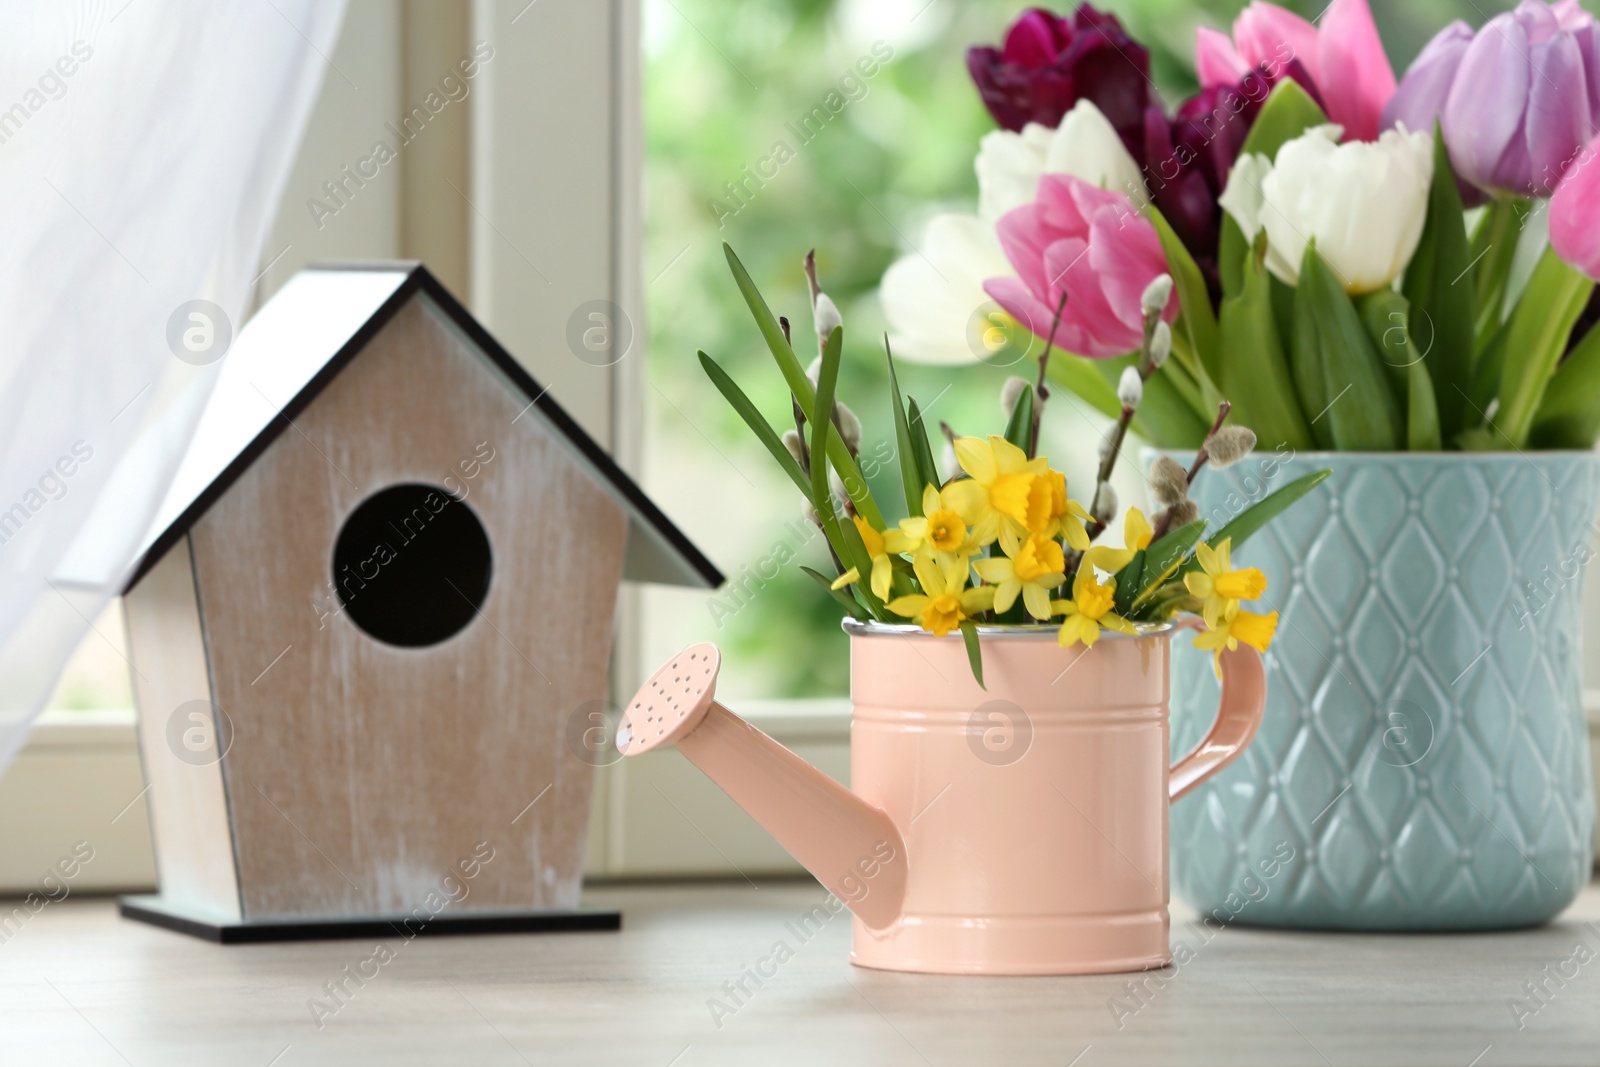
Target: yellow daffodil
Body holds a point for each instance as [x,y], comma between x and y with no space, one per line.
[1219,585]
[940,528]
[997,491]
[1032,568]
[1135,536]
[1242,626]
[879,546]
[944,602]
[1051,513]
[1089,610]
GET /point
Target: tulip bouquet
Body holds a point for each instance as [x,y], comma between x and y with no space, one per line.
[1001,542]
[1362,263]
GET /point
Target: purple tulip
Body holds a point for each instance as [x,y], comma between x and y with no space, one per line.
[1048,63]
[1517,100]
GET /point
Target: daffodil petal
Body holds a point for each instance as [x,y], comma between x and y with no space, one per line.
[1076,535]
[1006,594]
[909,606]
[977,459]
[1112,621]
[968,499]
[1036,599]
[882,577]
[1007,457]
[847,578]
[1136,529]
[994,570]
[979,599]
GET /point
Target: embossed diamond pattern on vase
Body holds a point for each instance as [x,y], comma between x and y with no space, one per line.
[1424,749]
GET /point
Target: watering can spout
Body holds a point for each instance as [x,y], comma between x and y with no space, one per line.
[850,846]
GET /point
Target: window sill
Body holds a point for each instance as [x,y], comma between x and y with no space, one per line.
[76,779]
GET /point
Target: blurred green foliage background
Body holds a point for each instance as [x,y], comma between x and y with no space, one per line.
[725,88]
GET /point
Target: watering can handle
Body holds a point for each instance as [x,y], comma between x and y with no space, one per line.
[1244,699]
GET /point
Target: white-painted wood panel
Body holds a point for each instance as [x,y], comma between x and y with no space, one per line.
[187,801]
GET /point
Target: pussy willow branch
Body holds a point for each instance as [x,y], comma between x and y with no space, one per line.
[1164,522]
[1041,391]
[1204,455]
[1147,369]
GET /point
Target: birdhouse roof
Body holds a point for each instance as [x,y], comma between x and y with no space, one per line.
[304,336]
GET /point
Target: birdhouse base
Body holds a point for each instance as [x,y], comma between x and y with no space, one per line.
[156,911]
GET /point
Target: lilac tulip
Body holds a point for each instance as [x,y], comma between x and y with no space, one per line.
[1517,100]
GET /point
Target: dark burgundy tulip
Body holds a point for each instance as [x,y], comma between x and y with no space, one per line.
[1048,63]
[1190,156]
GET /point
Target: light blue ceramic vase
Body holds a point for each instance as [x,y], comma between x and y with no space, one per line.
[1424,751]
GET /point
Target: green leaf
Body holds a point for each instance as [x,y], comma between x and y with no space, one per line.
[822,428]
[1569,415]
[1255,375]
[772,333]
[795,375]
[1386,315]
[927,470]
[1165,418]
[1494,249]
[1422,412]
[757,423]
[1082,376]
[1388,318]
[1537,336]
[1166,556]
[843,536]
[910,477]
[969,634]
[1486,377]
[1440,288]
[1198,323]
[1336,365]
[1130,580]
[1019,428]
[855,550]
[846,600]
[1255,517]
[1288,112]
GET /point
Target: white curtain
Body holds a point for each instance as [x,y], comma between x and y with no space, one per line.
[143,147]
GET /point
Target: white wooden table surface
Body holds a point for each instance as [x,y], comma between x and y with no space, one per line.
[78,985]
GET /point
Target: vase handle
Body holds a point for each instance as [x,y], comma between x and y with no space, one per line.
[1244,699]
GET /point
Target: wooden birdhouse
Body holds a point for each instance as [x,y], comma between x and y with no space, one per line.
[371,622]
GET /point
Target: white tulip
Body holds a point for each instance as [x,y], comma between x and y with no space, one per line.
[934,299]
[1008,166]
[1085,146]
[1363,203]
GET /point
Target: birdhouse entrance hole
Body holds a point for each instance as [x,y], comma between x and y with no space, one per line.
[411,565]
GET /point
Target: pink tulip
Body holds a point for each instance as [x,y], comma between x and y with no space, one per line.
[1345,58]
[1088,243]
[1575,213]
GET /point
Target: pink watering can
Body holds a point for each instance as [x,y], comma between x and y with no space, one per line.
[1020,829]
